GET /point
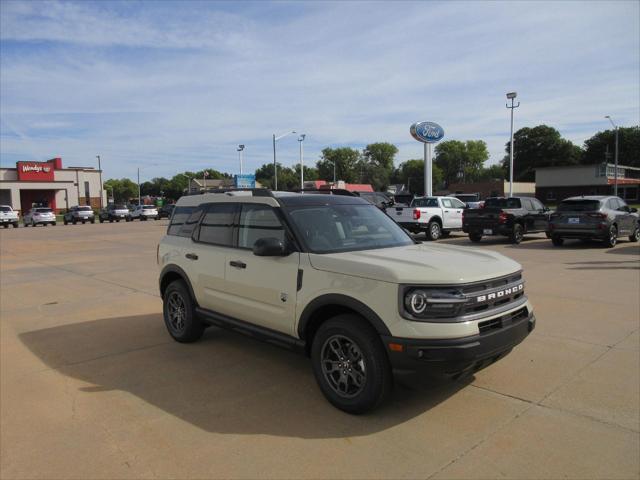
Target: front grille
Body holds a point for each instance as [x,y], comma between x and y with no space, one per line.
[503,321]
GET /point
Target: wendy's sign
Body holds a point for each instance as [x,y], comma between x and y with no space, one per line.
[427,132]
[35,171]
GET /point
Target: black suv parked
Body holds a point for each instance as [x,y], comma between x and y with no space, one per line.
[166,210]
[511,217]
[594,218]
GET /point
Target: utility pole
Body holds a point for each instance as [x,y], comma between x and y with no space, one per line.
[301,140]
[511,96]
[139,197]
[240,150]
[101,186]
[615,177]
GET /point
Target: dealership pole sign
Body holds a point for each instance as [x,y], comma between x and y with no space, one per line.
[427,133]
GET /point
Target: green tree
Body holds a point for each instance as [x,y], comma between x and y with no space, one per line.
[287,178]
[461,161]
[595,148]
[377,164]
[411,174]
[346,164]
[310,173]
[536,147]
[493,172]
[123,189]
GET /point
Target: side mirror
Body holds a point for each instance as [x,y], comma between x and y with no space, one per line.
[633,210]
[546,209]
[270,247]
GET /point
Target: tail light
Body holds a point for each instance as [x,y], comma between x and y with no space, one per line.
[502,218]
[601,216]
[416,214]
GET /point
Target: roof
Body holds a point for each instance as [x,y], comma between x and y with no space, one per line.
[267,197]
[589,197]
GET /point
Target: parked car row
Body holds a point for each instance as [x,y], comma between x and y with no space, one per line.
[83,214]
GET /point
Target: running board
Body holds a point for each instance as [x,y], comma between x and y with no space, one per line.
[251,330]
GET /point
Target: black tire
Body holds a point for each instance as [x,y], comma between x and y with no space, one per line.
[15,225]
[612,238]
[434,231]
[128,219]
[360,344]
[83,222]
[475,237]
[179,313]
[93,220]
[101,220]
[74,221]
[117,220]
[53,224]
[548,234]
[635,236]
[517,234]
[111,220]
[557,241]
[6,225]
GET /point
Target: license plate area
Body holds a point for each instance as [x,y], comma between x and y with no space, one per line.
[487,231]
[573,220]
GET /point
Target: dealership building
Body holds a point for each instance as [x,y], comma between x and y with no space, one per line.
[50,184]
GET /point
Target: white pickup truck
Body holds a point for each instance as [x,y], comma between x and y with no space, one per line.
[8,216]
[436,216]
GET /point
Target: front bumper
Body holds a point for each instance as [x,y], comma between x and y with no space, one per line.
[455,357]
[8,220]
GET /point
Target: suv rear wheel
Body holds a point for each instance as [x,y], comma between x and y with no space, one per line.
[612,237]
[350,364]
[179,313]
[517,233]
[557,241]
[475,237]
[635,236]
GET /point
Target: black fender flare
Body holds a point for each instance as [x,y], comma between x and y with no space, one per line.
[176,270]
[341,301]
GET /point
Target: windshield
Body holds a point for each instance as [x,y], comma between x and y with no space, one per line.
[344,228]
[503,203]
[84,209]
[120,207]
[5,209]
[425,202]
[43,210]
[579,206]
[149,207]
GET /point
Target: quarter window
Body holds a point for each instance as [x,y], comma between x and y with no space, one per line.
[217,225]
[186,230]
[258,221]
[180,215]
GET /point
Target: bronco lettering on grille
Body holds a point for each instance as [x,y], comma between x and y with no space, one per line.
[500,293]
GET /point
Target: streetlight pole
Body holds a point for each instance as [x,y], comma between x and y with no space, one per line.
[139,197]
[301,140]
[101,186]
[240,149]
[275,165]
[615,177]
[511,96]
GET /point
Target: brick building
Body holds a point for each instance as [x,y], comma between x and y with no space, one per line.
[50,184]
[554,184]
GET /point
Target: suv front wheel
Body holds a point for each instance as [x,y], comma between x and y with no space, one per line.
[179,313]
[350,364]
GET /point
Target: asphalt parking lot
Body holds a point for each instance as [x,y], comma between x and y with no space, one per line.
[93,387]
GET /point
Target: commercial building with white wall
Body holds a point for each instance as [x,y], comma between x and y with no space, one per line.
[49,184]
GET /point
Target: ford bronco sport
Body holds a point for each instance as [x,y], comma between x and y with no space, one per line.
[335,278]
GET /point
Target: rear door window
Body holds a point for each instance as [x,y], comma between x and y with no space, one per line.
[216,227]
[258,221]
[447,203]
[187,228]
[425,202]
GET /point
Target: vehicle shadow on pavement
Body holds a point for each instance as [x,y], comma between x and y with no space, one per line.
[225,383]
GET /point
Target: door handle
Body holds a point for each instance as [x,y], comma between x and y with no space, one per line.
[446,211]
[237,264]
[191,256]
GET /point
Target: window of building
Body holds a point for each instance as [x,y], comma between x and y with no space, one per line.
[87,193]
[217,224]
[258,221]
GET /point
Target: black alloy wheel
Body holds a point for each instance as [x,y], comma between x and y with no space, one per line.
[517,234]
[179,313]
[635,236]
[343,366]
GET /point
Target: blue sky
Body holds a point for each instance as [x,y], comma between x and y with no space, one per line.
[174,86]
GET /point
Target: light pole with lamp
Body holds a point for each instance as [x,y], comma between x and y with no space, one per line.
[511,96]
[275,165]
[240,150]
[101,186]
[615,177]
[301,140]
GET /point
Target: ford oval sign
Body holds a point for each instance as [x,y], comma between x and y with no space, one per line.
[427,132]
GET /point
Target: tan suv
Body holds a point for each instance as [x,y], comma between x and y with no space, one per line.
[337,279]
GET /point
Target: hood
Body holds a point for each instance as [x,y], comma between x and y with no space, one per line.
[424,263]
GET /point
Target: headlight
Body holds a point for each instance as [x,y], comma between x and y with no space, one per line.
[425,303]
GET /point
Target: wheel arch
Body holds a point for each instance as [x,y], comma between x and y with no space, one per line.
[435,218]
[329,305]
[170,274]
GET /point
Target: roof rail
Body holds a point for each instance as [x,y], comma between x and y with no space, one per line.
[256,192]
[326,191]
